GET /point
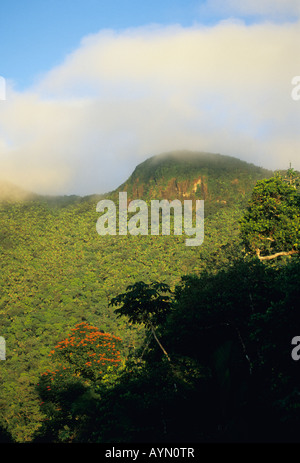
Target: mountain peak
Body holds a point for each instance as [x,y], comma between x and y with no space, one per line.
[216,178]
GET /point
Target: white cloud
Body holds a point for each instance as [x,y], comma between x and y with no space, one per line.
[122,97]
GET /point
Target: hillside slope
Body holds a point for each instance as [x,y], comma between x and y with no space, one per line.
[219,180]
[57,271]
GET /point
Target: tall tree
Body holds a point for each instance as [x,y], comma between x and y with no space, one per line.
[145,303]
[270,226]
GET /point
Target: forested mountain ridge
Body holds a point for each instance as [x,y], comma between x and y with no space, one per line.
[216,178]
[174,175]
[11,193]
[58,274]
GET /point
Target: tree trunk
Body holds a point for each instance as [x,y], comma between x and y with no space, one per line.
[277,254]
[158,342]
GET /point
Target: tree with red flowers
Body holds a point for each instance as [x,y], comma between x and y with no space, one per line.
[67,389]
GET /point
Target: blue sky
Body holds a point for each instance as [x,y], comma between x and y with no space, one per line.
[37,34]
[95,87]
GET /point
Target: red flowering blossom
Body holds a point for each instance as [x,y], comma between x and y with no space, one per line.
[86,353]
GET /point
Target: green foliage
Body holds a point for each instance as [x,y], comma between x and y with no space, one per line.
[56,271]
[67,390]
[271,223]
[222,181]
[144,303]
[245,337]
[227,325]
[235,379]
[143,406]
[87,351]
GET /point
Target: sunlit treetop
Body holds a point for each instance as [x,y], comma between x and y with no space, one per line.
[270,226]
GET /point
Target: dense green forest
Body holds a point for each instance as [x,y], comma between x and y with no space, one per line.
[143,339]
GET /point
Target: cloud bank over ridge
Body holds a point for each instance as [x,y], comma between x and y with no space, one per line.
[123,96]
